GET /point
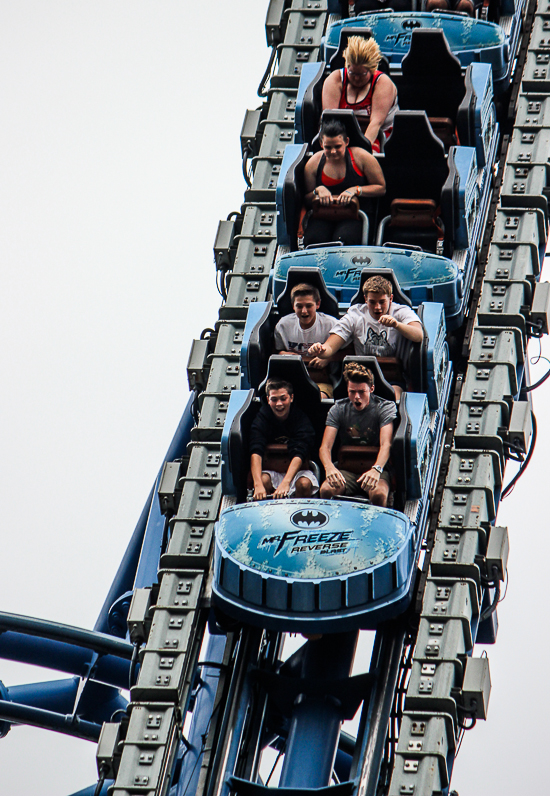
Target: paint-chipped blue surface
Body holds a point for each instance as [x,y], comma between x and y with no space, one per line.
[328,565]
[311,539]
[421,275]
[469,39]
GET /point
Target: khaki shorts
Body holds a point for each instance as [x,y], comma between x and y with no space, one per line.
[326,388]
[276,479]
[353,488]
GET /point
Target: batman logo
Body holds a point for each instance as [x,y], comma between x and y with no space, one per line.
[360,259]
[409,24]
[309,519]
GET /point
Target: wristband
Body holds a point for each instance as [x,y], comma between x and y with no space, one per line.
[377,468]
[358,190]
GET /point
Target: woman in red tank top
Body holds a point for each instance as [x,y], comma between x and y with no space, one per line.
[362,88]
[339,175]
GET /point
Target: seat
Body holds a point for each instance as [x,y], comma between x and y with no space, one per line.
[306,396]
[358,458]
[415,167]
[290,200]
[413,222]
[309,106]
[432,81]
[290,195]
[337,62]
[309,101]
[235,443]
[242,409]
[256,344]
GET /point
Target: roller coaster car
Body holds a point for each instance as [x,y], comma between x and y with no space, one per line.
[469,39]
[421,276]
[459,105]
[418,174]
[425,365]
[321,565]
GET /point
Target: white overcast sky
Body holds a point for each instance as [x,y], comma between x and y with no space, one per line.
[119,153]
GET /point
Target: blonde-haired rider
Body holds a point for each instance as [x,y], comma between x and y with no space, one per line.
[371,94]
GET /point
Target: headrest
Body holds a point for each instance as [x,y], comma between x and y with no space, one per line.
[293,369]
[430,58]
[387,273]
[382,388]
[314,277]
[413,140]
[350,122]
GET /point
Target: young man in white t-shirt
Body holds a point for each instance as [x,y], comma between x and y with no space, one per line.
[374,326]
[296,333]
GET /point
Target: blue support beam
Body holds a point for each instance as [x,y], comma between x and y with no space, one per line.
[48,720]
[63,657]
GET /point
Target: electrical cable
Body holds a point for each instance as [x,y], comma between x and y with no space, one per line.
[103,771]
[247,151]
[507,490]
[262,91]
[133,665]
[496,597]
[540,381]
[505,587]
[469,726]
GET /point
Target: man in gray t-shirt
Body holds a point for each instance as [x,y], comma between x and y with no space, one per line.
[362,420]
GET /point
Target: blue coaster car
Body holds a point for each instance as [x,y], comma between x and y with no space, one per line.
[425,366]
[317,565]
[421,276]
[459,103]
[313,565]
[434,203]
[469,39]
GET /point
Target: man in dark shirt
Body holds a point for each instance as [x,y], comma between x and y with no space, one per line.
[282,422]
[360,419]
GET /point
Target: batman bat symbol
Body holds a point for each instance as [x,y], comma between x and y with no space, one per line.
[309,519]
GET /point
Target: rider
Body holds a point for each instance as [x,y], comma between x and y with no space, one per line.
[371,94]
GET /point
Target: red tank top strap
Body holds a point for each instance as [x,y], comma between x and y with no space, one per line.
[356,168]
[373,82]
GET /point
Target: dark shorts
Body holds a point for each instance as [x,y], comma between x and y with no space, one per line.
[353,488]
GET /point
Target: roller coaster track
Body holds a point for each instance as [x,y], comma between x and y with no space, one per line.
[429,687]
